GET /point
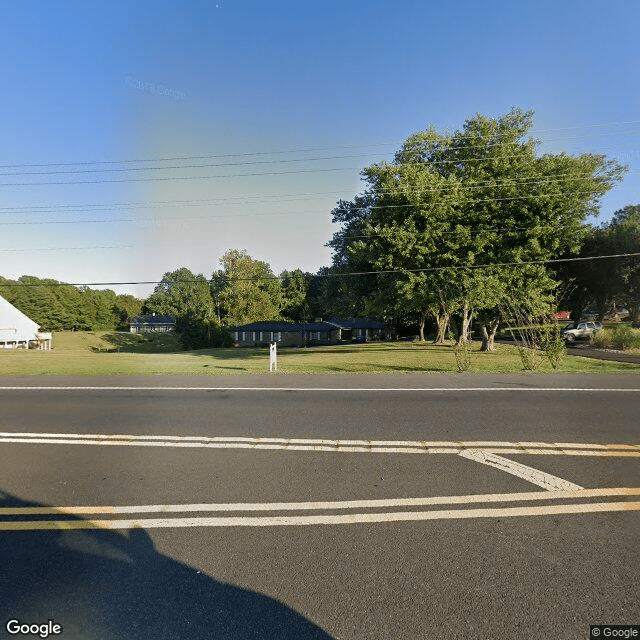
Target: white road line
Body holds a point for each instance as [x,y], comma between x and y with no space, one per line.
[353,518]
[314,389]
[541,478]
[324,444]
[529,496]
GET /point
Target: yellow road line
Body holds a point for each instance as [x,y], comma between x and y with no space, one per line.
[527,496]
[324,444]
[354,518]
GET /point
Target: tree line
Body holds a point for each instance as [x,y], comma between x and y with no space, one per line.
[56,306]
[460,227]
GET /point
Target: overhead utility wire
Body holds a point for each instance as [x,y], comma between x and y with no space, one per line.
[122,246]
[236,164]
[245,215]
[325,275]
[308,150]
[236,175]
[248,175]
[202,202]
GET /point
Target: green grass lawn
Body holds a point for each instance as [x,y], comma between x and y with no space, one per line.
[96,353]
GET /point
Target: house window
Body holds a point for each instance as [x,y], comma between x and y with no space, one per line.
[255,333]
[279,336]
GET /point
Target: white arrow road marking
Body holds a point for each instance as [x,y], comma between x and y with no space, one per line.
[542,479]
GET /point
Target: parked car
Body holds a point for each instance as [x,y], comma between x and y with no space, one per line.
[580,331]
[360,339]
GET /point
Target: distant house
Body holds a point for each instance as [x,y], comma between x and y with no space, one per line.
[307,333]
[288,334]
[359,328]
[152,322]
[18,331]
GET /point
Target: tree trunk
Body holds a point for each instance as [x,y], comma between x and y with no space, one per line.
[601,309]
[467,314]
[423,319]
[488,334]
[442,322]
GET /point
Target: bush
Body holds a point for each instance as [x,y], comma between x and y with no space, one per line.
[462,353]
[554,347]
[621,337]
[531,358]
[197,334]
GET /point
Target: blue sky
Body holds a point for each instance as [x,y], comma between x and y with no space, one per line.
[289,87]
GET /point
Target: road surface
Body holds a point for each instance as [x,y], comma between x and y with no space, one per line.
[347,507]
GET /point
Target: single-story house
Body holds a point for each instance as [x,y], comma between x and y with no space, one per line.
[359,328]
[18,331]
[286,334]
[152,322]
[307,333]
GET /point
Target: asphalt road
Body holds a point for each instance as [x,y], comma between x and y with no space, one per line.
[413,506]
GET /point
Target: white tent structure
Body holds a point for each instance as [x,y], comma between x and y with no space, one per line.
[19,331]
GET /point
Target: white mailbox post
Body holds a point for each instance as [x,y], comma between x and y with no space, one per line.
[273,357]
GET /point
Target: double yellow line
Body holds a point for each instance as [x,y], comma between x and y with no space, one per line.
[359,511]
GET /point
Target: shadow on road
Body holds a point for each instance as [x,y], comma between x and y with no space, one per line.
[107,585]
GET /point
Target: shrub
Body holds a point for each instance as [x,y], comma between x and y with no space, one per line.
[462,353]
[621,337]
[554,347]
[531,358]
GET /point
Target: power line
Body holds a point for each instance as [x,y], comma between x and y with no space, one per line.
[126,246]
[507,181]
[236,164]
[188,166]
[200,202]
[308,150]
[327,275]
[233,175]
[239,215]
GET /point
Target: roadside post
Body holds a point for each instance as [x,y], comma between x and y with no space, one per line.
[273,357]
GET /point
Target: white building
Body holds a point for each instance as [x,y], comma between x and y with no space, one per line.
[19,331]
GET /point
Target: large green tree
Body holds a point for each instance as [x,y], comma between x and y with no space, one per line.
[296,295]
[605,283]
[245,290]
[179,293]
[125,308]
[187,297]
[626,230]
[469,211]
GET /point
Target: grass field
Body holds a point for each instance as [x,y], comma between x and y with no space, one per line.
[96,353]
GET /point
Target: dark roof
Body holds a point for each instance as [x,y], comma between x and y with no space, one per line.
[358,323]
[152,319]
[286,326]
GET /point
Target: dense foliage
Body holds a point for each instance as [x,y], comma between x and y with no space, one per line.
[62,307]
[606,284]
[457,220]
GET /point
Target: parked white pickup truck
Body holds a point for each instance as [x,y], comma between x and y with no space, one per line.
[580,330]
